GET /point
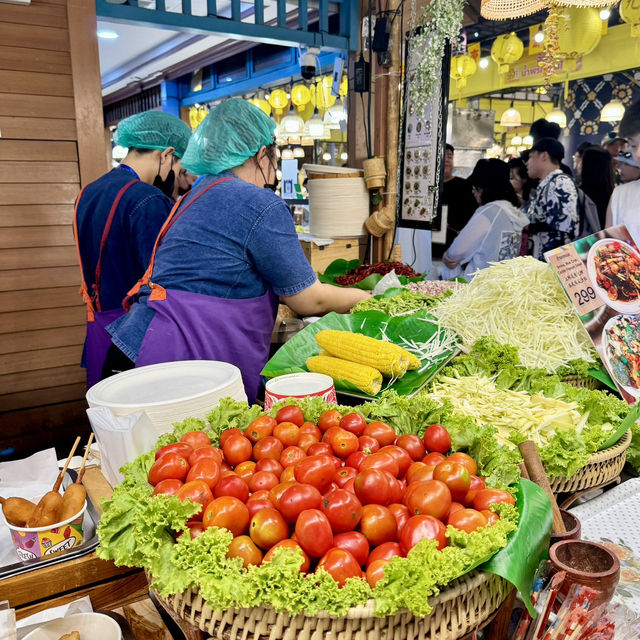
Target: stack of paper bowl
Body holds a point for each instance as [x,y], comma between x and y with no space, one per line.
[170,391]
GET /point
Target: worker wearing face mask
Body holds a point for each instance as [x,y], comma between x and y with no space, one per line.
[225,256]
[118,218]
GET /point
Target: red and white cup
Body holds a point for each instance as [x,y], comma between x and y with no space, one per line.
[299,385]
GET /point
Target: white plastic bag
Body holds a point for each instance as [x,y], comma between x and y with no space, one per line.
[390,281]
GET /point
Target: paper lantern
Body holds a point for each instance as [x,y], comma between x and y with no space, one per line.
[579,33]
[558,116]
[612,111]
[630,13]
[463,66]
[510,9]
[511,118]
[506,50]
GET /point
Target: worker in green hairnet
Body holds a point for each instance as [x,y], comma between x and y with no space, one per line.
[118,218]
[225,258]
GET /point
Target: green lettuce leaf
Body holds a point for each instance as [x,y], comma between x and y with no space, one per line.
[231,414]
[633,452]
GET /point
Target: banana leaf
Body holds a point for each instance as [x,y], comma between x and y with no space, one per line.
[341,267]
[292,356]
[623,427]
[529,545]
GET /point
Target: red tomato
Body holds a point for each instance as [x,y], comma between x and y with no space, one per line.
[455,476]
[288,433]
[227,433]
[400,513]
[169,466]
[412,445]
[259,495]
[288,474]
[181,448]
[245,470]
[297,499]
[260,428]
[375,572]
[468,520]
[237,449]
[344,475]
[385,551]
[294,546]
[307,440]
[196,439]
[340,565]
[206,469]
[455,506]
[397,488]
[229,513]
[355,543]
[268,527]
[349,486]
[423,474]
[343,510]
[431,498]
[277,492]
[232,486]
[372,486]
[290,414]
[224,466]
[263,480]
[317,471]
[197,491]
[268,464]
[291,456]
[244,547]
[329,433]
[436,438]
[402,458]
[420,527]
[491,516]
[195,528]
[205,452]
[413,470]
[382,432]
[368,444]
[312,429]
[320,449]
[344,443]
[337,463]
[257,505]
[328,419]
[477,484]
[434,458]
[355,459]
[486,497]
[313,532]
[378,524]
[382,460]
[268,447]
[354,423]
[168,487]
[465,460]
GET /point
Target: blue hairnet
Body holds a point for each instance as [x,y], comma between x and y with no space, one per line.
[233,132]
[153,130]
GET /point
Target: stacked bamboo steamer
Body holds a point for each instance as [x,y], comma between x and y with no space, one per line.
[338,201]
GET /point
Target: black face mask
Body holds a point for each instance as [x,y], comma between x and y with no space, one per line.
[272,186]
[182,191]
[166,185]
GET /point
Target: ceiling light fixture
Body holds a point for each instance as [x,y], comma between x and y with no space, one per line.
[612,111]
[539,37]
[558,116]
[605,14]
[511,118]
[484,63]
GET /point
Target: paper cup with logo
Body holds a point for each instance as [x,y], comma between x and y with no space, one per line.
[299,385]
[43,542]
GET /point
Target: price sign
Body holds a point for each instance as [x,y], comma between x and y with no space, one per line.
[574,278]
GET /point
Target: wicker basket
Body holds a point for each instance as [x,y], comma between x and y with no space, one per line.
[603,466]
[465,605]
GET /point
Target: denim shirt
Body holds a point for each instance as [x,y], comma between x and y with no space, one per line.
[235,242]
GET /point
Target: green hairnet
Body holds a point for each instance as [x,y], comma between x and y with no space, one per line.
[153,130]
[232,132]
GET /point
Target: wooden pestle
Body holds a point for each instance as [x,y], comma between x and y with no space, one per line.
[538,475]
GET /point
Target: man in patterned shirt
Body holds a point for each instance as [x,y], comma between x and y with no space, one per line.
[554,207]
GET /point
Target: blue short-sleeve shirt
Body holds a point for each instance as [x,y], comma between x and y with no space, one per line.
[139,217]
[236,241]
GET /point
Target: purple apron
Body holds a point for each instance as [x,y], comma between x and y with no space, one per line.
[194,326]
[98,341]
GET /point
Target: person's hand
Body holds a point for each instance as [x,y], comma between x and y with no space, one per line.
[448,262]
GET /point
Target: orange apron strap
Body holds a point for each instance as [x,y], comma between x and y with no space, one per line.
[84,291]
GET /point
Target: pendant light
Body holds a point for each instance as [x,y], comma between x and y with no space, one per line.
[287,154]
[298,152]
[292,123]
[516,140]
[558,116]
[315,126]
[527,141]
[337,113]
[612,111]
[511,117]
[508,9]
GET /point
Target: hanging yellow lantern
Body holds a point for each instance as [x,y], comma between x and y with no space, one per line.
[630,13]
[193,118]
[300,96]
[262,104]
[579,33]
[463,66]
[203,112]
[506,50]
[280,103]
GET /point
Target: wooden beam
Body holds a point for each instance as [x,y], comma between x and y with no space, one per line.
[85,68]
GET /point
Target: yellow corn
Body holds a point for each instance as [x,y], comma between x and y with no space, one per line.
[366,378]
[414,361]
[387,358]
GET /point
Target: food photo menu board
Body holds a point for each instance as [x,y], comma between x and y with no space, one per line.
[601,276]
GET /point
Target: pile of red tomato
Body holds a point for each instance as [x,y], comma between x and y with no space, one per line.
[348,494]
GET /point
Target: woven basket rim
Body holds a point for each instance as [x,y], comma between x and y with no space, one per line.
[614,450]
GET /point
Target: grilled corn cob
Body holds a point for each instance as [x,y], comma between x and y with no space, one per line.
[389,359]
[366,378]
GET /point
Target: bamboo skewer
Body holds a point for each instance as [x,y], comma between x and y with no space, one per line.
[84,460]
[56,486]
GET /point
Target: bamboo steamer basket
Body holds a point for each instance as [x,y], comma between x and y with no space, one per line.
[466,604]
